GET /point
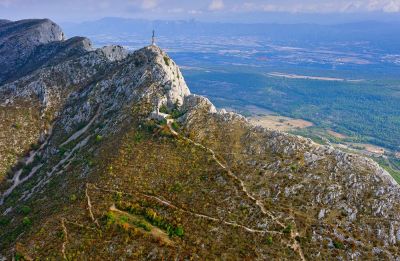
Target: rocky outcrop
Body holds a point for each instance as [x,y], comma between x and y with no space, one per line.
[164,70]
[71,71]
[143,74]
[2,21]
[114,52]
[19,40]
[196,102]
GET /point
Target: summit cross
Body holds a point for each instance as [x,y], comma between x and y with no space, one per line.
[153,39]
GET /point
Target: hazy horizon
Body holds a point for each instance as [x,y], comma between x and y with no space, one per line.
[252,11]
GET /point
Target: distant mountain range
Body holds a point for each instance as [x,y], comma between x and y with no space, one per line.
[379,34]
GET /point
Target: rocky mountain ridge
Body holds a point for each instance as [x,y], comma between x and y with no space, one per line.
[106,154]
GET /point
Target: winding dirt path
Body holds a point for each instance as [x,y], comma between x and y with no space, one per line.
[67,158]
[89,203]
[81,131]
[293,234]
[16,179]
[64,244]
[171,205]
[18,182]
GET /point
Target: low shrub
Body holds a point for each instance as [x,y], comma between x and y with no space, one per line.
[179,232]
[35,146]
[269,240]
[26,221]
[150,126]
[137,137]
[27,168]
[4,221]
[25,210]
[287,229]
[62,151]
[175,114]
[110,218]
[73,197]
[143,225]
[177,187]
[163,109]
[167,60]
[294,167]
[175,126]
[99,138]
[153,218]
[17,125]
[338,245]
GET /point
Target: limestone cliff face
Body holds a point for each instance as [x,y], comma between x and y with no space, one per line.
[107,79]
[19,40]
[3,21]
[111,147]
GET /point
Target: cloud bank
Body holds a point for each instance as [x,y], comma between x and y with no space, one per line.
[216,5]
[183,9]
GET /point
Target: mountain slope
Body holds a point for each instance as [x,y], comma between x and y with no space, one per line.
[19,40]
[3,21]
[127,163]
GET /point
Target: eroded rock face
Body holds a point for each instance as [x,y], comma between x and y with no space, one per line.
[165,70]
[114,52]
[19,40]
[2,21]
[109,77]
[239,191]
[193,102]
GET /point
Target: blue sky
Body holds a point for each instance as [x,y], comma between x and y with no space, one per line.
[209,10]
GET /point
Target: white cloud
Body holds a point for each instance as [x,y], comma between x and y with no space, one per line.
[216,5]
[68,10]
[149,4]
[388,6]
[6,3]
[392,7]
[142,4]
[321,6]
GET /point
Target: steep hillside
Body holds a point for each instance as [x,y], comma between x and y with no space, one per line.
[109,156]
[3,21]
[19,40]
